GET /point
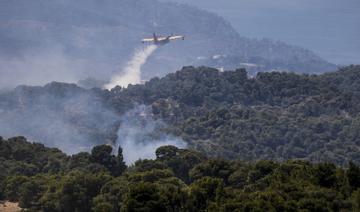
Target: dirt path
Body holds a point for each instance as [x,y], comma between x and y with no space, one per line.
[6,206]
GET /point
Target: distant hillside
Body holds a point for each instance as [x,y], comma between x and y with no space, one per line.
[272,116]
[275,115]
[68,41]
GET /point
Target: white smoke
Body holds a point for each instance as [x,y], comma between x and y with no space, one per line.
[140,135]
[132,72]
[57,115]
[40,67]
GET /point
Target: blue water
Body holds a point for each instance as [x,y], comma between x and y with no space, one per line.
[331,28]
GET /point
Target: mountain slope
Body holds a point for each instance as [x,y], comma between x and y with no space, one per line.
[64,40]
[275,115]
[272,116]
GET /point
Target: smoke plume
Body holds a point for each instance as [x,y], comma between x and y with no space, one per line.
[140,135]
[58,115]
[132,72]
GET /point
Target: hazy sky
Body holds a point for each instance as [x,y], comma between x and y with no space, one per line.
[330,28]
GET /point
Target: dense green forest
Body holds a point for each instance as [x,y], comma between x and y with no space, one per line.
[272,116]
[45,179]
[274,142]
[275,115]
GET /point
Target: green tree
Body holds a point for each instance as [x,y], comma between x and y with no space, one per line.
[180,161]
[103,155]
[111,196]
[353,175]
[215,168]
[206,192]
[74,192]
[326,174]
[12,187]
[143,197]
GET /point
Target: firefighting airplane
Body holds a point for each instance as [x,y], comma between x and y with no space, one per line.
[162,40]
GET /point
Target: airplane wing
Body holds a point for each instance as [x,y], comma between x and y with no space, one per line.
[176,37]
[161,38]
[148,40]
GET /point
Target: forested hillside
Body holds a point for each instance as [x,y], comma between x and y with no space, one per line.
[275,142]
[277,116]
[272,116]
[43,179]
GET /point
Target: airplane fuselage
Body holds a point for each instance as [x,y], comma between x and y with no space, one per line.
[162,42]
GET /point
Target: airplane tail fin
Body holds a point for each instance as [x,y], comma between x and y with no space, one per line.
[155,37]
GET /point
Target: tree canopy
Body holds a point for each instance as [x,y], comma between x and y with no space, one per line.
[177,180]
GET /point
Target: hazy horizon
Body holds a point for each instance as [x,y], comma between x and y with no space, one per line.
[330,28]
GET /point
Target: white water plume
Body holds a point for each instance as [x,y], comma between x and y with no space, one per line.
[132,72]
